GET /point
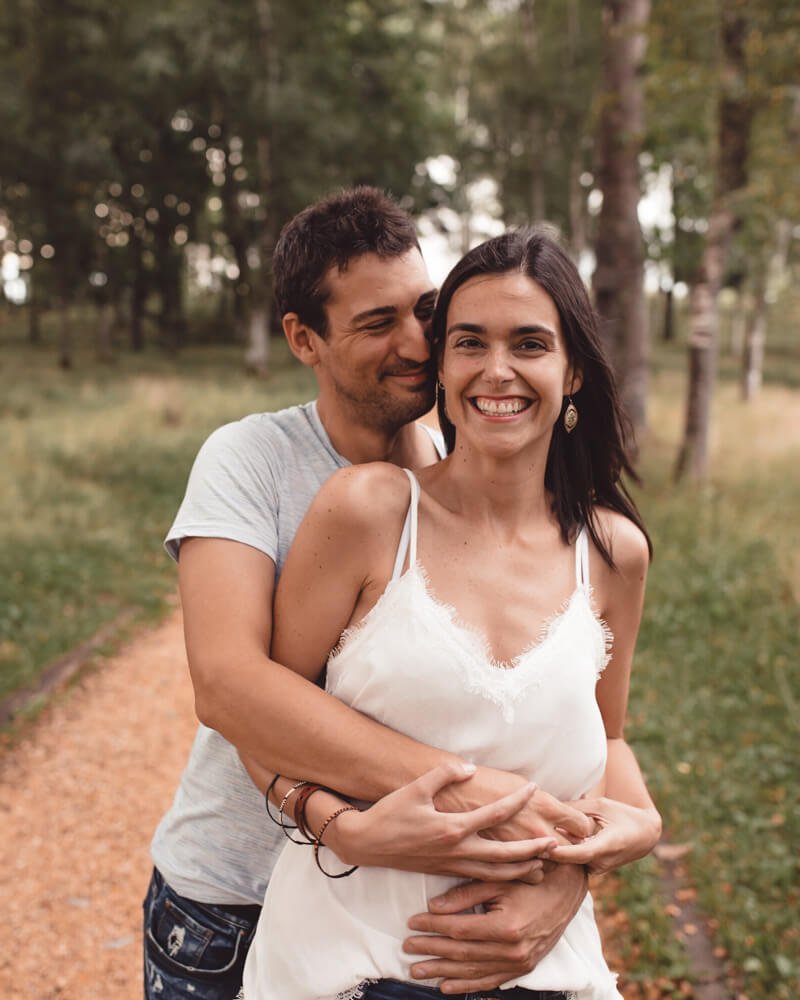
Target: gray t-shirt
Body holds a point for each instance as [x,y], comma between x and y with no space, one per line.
[252,482]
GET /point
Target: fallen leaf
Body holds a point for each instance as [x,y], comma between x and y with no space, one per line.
[671,852]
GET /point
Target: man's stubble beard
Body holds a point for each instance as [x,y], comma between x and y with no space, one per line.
[383,411]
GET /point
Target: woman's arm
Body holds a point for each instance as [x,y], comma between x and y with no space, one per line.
[629,825]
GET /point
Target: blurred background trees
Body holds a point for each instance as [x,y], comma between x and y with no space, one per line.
[151,152]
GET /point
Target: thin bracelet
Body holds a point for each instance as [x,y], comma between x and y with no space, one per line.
[318,843]
[286,827]
[270,789]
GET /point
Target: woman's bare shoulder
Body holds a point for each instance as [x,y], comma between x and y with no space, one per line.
[363,496]
[626,541]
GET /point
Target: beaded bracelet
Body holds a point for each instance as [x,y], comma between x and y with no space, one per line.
[318,843]
[286,827]
[303,796]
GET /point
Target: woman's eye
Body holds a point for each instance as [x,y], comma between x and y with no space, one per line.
[532,345]
[468,342]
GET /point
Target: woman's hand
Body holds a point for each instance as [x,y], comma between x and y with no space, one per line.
[406,831]
[542,815]
[624,833]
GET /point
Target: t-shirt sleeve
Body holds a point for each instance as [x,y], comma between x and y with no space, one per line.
[232,491]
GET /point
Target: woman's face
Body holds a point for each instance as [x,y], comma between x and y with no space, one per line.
[504,366]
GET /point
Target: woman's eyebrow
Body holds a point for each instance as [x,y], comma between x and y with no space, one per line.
[466,328]
[517,331]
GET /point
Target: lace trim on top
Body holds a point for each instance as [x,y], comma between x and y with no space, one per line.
[501,682]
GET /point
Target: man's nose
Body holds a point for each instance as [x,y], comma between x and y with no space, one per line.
[413,341]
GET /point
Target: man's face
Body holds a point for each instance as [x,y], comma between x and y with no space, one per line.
[375,360]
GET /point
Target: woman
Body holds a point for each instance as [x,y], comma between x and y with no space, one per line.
[483,630]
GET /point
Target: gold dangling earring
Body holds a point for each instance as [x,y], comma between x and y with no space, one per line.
[570,417]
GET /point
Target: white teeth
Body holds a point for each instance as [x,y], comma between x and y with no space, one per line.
[500,407]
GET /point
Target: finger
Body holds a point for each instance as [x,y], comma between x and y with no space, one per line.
[528,871]
[482,849]
[579,854]
[488,982]
[461,898]
[461,927]
[575,822]
[480,975]
[458,951]
[439,777]
[497,812]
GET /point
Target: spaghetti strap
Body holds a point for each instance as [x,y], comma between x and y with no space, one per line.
[582,559]
[408,538]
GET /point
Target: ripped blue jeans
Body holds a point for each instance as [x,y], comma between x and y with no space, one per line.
[193,949]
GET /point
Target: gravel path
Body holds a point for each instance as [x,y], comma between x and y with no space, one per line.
[80,796]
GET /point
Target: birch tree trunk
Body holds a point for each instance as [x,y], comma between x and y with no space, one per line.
[257,353]
[734,120]
[755,337]
[618,280]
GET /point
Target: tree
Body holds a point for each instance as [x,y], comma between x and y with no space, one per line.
[735,111]
[618,279]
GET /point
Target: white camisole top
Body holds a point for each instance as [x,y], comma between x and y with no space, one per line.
[413,666]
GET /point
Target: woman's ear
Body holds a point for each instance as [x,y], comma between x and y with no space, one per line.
[303,341]
[573,381]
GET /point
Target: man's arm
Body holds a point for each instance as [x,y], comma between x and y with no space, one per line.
[287,724]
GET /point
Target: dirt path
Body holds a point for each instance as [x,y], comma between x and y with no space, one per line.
[80,796]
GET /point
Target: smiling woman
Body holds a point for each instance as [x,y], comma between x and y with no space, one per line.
[471,605]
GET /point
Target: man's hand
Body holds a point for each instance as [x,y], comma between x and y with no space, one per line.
[481,951]
[625,833]
[405,830]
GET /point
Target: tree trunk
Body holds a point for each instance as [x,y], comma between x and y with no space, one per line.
[65,334]
[735,114]
[34,317]
[103,332]
[618,280]
[738,329]
[535,129]
[138,297]
[256,357]
[668,321]
[755,337]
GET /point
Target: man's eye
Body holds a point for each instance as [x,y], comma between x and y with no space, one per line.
[378,326]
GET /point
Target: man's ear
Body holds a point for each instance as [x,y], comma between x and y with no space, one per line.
[303,341]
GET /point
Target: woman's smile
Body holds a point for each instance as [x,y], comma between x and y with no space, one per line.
[500,407]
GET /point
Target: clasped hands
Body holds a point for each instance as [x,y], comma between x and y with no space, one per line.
[437,825]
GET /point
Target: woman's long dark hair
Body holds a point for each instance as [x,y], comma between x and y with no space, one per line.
[584,469]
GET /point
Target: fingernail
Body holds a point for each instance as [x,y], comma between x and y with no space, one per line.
[469,768]
[436,901]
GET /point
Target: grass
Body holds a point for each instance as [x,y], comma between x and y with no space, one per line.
[715,704]
[96,459]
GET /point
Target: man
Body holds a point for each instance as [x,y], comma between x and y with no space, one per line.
[356,301]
